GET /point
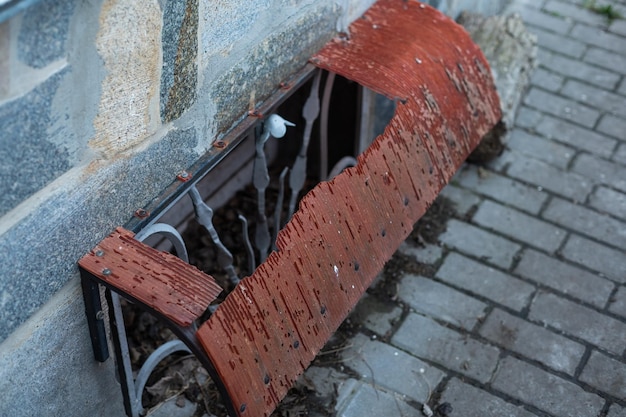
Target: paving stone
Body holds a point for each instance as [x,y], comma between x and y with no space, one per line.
[324,380]
[388,367]
[618,27]
[579,321]
[606,59]
[463,200]
[609,201]
[426,339]
[601,171]
[470,401]
[480,243]
[533,16]
[599,37]
[439,301]
[536,172]
[365,400]
[547,80]
[558,43]
[502,189]
[586,221]
[596,97]
[576,136]
[574,68]
[613,126]
[575,12]
[564,278]
[616,411]
[545,391]
[375,315]
[428,254]
[604,259]
[561,107]
[537,147]
[532,341]
[620,154]
[483,280]
[618,304]
[622,88]
[605,374]
[527,117]
[519,226]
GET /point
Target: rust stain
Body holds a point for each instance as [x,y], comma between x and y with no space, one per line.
[158,279]
[272,325]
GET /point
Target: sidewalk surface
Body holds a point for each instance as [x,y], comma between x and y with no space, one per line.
[525,314]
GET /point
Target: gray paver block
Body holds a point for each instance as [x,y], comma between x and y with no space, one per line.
[547,80]
[426,339]
[551,152]
[365,400]
[519,226]
[428,254]
[586,221]
[622,88]
[527,117]
[388,367]
[601,258]
[620,154]
[480,243]
[579,321]
[597,36]
[618,305]
[544,390]
[575,136]
[535,17]
[561,107]
[559,43]
[502,189]
[532,341]
[606,374]
[463,200]
[574,68]
[595,97]
[375,315]
[470,401]
[485,281]
[440,301]
[574,12]
[324,380]
[533,171]
[564,278]
[614,126]
[600,170]
[609,201]
[616,411]
[606,59]
[618,27]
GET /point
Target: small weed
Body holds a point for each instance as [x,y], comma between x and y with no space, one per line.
[606,10]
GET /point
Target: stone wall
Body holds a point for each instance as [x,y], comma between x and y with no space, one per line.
[102,103]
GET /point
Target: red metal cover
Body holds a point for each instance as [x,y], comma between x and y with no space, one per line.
[272,325]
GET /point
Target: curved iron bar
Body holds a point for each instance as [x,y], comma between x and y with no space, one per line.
[153,360]
[279,206]
[343,163]
[170,233]
[247,244]
[328,88]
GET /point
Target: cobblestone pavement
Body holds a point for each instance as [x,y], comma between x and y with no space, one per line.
[526,312]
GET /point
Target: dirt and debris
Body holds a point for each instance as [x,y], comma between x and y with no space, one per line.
[182,376]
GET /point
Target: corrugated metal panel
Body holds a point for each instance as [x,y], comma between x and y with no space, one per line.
[273,324]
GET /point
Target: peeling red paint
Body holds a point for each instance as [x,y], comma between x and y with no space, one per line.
[273,324]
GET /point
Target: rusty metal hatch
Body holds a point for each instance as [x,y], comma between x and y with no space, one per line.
[273,324]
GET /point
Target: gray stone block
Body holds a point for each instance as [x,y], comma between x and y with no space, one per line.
[606,200]
[441,302]
[596,97]
[44,31]
[573,68]
[601,258]
[561,107]
[617,411]
[375,315]
[550,41]
[47,367]
[532,341]
[37,258]
[606,59]
[30,160]
[605,374]
[535,146]
[597,36]
[601,171]
[470,401]
[369,400]
[618,304]
[613,126]
[564,278]
[545,391]
[485,281]
[428,340]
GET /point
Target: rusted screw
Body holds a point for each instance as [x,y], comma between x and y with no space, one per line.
[141,213]
[255,113]
[284,86]
[184,176]
[219,144]
[99,253]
